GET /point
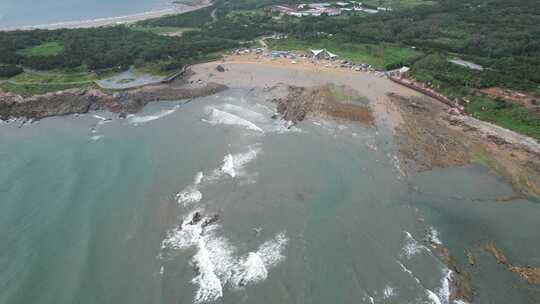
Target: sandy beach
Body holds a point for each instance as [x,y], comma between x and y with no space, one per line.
[110,21]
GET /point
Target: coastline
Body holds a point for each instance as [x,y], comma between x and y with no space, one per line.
[416,120]
[111,21]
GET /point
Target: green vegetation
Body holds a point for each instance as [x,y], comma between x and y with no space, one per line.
[397,4]
[45,49]
[105,48]
[41,88]
[159,30]
[382,56]
[9,70]
[37,83]
[191,19]
[505,114]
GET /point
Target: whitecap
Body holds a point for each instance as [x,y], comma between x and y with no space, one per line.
[444,291]
[433,236]
[243,112]
[388,292]
[234,163]
[96,137]
[191,193]
[411,246]
[188,197]
[136,120]
[433,297]
[225,118]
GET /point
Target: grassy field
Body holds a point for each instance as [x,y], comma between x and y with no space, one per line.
[395,4]
[33,89]
[505,114]
[162,30]
[39,83]
[379,56]
[44,49]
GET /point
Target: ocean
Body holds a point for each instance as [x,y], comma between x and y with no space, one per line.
[213,201]
[16,13]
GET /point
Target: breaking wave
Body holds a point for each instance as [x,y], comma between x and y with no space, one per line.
[215,260]
[96,137]
[136,120]
[233,164]
[217,117]
[412,247]
[191,194]
[433,236]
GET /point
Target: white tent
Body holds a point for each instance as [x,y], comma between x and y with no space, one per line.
[317,52]
[322,52]
[331,55]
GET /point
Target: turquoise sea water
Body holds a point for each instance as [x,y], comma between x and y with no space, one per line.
[30,12]
[95,211]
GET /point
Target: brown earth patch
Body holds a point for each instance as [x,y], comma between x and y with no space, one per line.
[429,137]
[527,100]
[424,140]
[319,101]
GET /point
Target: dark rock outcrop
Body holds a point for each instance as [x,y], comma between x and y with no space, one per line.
[74,101]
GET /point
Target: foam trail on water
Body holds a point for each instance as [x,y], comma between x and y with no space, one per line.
[409,272]
[136,120]
[225,118]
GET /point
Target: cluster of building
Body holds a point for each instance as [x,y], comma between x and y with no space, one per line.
[330,9]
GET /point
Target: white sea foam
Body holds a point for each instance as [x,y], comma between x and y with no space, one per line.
[100,117]
[433,236]
[198,178]
[187,197]
[215,260]
[191,193]
[388,292]
[243,112]
[136,120]
[217,117]
[233,164]
[409,272]
[433,297]
[96,137]
[444,291]
[411,247]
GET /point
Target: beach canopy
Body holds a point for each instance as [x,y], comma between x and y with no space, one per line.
[317,52]
[331,55]
[323,51]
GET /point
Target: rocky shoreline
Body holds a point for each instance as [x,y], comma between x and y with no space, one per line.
[78,101]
